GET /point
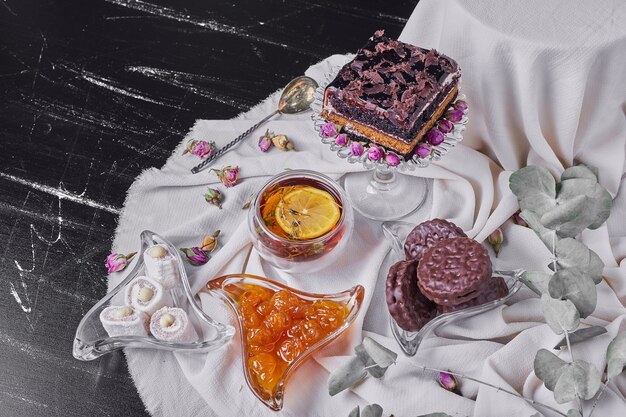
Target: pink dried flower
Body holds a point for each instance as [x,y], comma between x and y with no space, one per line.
[392,159]
[195,256]
[447,381]
[495,239]
[375,153]
[204,149]
[265,142]
[435,137]
[454,115]
[423,150]
[228,175]
[356,148]
[328,130]
[445,126]
[517,219]
[214,197]
[341,139]
[461,105]
[117,261]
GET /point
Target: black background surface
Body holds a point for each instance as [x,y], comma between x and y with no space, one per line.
[92,92]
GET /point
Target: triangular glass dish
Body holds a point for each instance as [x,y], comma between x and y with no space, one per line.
[281,327]
[396,232]
[129,325]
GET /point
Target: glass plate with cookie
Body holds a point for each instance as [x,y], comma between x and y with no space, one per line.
[439,275]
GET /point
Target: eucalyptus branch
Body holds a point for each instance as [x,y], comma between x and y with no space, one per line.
[571,357]
[513,393]
[554,265]
[595,402]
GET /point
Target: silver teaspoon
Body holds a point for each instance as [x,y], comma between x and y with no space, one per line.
[296,97]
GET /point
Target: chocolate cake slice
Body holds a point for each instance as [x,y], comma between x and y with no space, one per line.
[392,93]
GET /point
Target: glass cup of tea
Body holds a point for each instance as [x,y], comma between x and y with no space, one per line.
[300,221]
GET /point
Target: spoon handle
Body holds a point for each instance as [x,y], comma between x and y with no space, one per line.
[235,141]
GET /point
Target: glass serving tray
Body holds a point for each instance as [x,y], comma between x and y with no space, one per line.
[92,340]
[396,232]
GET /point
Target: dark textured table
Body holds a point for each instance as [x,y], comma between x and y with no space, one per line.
[92,93]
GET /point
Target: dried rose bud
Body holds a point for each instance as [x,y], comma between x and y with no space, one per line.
[495,239]
[435,137]
[454,115]
[265,142]
[445,126]
[341,139]
[461,105]
[328,130]
[375,153]
[204,149]
[228,175]
[517,219]
[447,381]
[423,150]
[392,159]
[214,197]
[282,142]
[356,148]
[195,256]
[117,261]
[209,243]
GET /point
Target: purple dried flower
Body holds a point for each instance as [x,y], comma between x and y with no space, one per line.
[341,139]
[375,153]
[117,261]
[461,105]
[265,141]
[204,149]
[454,115]
[328,130]
[195,256]
[356,148]
[435,137]
[423,150]
[447,381]
[392,159]
[228,175]
[445,126]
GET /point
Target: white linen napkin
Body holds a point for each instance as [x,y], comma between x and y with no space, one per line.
[469,188]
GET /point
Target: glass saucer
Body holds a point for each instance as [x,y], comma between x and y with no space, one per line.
[396,232]
[269,385]
[92,340]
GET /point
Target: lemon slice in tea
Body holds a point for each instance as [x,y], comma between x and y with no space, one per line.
[307,213]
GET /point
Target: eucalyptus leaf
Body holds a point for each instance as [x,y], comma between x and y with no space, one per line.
[346,375]
[581,335]
[570,217]
[599,201]
[382,356]
[579,171]
[616,355]
[573,413]
[536,281]
[579,379]
[370,366]
[533,220]
[571,284]
[548,368]
[572,253]
[372,410]
[561,315]
[355,412]
[535,189]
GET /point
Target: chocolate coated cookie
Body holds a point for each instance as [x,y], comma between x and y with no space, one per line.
[427,234]
[408,307]
[497,288]
[454,271]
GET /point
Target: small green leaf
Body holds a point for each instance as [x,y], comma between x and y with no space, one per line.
[570,217]
[347,375]
[572,253]
[616,355]
[372,410]
[536,281]
[355,412]
[571,284]
[534,222]
[535,189]
[561,315]
[579,379]
[579,171]
[581,335]
[370,366]
[574,413]
[548,367]
[382,356]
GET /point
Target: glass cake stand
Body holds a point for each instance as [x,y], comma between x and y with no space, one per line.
[385,192]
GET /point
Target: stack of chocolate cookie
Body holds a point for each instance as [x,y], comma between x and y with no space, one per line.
[444,271]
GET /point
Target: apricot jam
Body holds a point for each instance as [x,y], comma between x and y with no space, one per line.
[279,326]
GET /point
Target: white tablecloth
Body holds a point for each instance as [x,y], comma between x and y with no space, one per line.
[545,84]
